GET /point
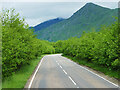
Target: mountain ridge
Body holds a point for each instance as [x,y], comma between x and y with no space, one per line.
[46,24]
[87,18]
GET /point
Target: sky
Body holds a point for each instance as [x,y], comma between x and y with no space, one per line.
[37,11]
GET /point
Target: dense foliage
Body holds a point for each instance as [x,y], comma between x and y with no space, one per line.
[19,45]
[98,47]
[0,51]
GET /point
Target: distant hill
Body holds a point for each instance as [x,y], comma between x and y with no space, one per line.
[89,17]
[46,24]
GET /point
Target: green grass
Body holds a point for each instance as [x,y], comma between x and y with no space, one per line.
[103,69]
[19,79]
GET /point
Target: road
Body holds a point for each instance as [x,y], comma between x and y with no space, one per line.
[56,71]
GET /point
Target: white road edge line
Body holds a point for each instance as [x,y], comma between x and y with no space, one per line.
[98,75]
[35,73]
[64,71]
[72,80]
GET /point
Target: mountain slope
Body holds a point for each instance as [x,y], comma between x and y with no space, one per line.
[88,18]
[46,24]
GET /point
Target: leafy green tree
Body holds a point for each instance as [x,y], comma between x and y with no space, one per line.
[19,45]
[98,47]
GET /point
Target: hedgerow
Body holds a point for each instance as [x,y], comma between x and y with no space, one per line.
[19,45]
[98,47]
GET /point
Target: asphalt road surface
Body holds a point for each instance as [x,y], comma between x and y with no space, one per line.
[56,71]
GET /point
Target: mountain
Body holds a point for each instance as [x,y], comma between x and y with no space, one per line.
[46,24]
[89,17]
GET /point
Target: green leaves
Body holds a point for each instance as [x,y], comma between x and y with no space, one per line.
[19,45]
[98,47]
[116,62]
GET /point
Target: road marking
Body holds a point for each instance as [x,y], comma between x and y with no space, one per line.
[35,73]
[60,66]
[99,76]
[72,80]
[66,74]
[58,63]
[64,71]
[96,74]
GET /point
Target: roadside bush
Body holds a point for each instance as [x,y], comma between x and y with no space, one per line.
[19,45]
[98,47]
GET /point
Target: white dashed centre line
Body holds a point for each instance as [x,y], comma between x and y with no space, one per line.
[72,80]
[68,75]
[60,66]
[58,63]
[64,71]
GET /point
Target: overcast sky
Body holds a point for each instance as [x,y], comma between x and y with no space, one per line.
[37,11]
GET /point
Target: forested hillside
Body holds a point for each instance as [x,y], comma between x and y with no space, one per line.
[46,24]
[89,18]
[19,45]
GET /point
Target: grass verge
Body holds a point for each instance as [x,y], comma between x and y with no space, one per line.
[105,70]
[19,79]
